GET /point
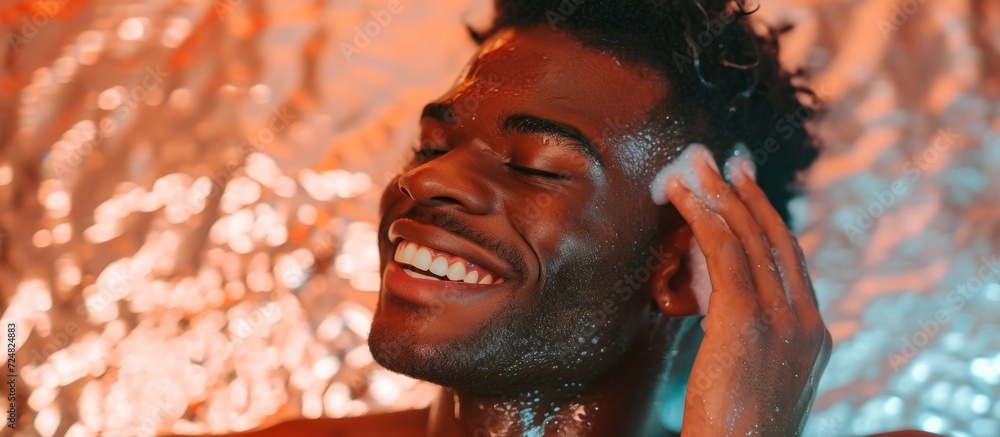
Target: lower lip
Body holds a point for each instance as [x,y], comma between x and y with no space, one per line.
[429,291]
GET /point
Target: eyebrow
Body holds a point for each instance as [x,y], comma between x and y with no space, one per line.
[530,124]
[438,111]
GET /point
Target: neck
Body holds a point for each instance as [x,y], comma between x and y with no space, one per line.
[624,402]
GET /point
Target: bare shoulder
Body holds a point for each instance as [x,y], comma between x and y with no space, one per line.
[411,423]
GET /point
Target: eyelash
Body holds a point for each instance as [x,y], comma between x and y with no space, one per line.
[536,173]
[428,153]
[527,171]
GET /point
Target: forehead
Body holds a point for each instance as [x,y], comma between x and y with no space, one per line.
[551,75]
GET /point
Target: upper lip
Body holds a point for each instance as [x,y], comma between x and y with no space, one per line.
[440,239]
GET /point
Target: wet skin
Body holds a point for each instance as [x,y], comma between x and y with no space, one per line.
[562,226]
[536,168]
[545,184]
[560,216]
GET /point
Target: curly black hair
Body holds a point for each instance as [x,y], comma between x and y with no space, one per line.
[723,69]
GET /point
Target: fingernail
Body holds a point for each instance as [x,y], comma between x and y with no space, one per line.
[739,166]
[681,168]
[709,158]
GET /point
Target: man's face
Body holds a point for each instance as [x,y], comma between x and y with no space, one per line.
[506,241]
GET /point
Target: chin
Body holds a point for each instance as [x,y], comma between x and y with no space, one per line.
[402,352]
[502,357]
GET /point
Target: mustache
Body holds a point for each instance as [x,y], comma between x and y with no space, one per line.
[454,225]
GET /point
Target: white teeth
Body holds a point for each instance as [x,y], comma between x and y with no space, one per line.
[419,275]
[439,266]
[422,259]
[408,252]
[457,271]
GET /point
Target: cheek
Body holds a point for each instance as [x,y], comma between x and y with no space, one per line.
[551,227]
[575,260]
[390,196]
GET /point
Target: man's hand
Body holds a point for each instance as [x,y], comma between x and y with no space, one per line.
[765,343]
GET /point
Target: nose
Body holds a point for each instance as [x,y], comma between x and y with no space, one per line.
[450,179]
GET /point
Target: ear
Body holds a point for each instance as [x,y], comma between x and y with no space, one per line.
[680,286]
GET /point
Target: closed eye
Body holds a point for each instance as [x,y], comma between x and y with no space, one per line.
[536,172]
[428,152]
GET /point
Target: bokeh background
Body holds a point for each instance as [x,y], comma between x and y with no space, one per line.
[188,199]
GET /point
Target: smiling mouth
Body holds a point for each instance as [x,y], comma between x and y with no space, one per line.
[423,262]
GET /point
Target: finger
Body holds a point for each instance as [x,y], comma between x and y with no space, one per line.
[728,268]
[791,263]
[805,271]
[770,289]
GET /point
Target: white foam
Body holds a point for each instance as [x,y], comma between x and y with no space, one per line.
[740,153]
[683,165]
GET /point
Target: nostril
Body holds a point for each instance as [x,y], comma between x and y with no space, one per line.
[405,191]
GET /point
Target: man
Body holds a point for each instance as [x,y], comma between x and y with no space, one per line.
[542,264]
